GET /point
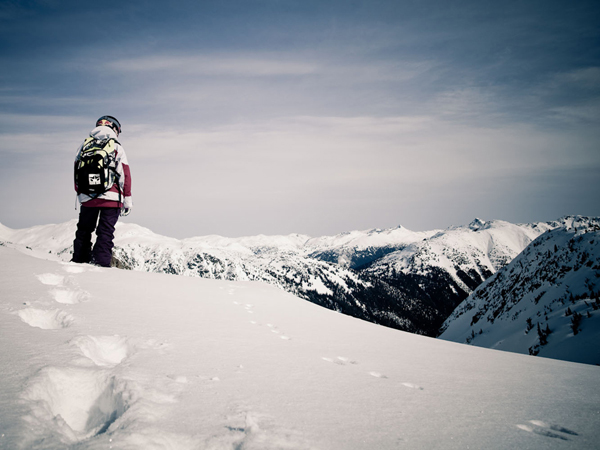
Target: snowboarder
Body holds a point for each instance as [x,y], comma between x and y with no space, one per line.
[104,196]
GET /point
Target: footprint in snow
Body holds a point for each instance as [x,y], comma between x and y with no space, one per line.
[276,331]
[544,429]
[45,319]
[74,269]
[340,360]
[181,379]
[281,336]
[69,297]
[412,386]
[248,308]
[51,279]
[377,375]
[104,350]
[87,400]
[542,424]
[345,360]
[252,430]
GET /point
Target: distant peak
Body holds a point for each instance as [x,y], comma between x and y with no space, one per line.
[477,224]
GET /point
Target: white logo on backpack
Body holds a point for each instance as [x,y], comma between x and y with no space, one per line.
[94,179]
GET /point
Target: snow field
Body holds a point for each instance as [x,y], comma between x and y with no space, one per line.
[165,362]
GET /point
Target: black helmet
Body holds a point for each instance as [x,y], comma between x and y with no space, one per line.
[113,123]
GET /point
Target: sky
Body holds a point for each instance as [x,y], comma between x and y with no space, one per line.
[250,117]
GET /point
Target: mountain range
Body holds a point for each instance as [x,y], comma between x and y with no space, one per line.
[395,277]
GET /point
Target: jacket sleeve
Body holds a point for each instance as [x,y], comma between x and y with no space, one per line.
[125,179]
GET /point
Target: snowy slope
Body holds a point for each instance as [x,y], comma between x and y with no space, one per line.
[546,301]
[104,358]
[288,262]
[277,260]
[395,277]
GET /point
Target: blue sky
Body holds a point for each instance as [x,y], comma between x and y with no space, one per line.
[315,117]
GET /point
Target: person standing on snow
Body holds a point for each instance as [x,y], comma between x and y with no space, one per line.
[100,211]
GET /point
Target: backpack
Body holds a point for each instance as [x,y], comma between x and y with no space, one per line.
[96,167]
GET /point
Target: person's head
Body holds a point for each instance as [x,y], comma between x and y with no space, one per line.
[109,121]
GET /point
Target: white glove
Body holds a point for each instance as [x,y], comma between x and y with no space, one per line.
[125,211]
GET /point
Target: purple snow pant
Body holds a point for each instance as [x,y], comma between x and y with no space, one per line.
[101,254]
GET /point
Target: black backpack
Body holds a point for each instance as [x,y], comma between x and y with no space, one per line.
[96,167]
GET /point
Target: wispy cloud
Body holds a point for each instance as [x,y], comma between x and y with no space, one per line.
[391,163]
[588,77]
[228,65]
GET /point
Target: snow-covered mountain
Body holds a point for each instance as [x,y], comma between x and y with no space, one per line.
[395,277]
[357,249]
[433,275]
[546,301]
[96,358]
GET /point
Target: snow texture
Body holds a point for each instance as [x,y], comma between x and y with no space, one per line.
[155,361]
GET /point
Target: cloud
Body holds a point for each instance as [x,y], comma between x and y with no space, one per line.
[318,113]
[194,88]
[215,65]
[588,77]
[300,158]
[579,115]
